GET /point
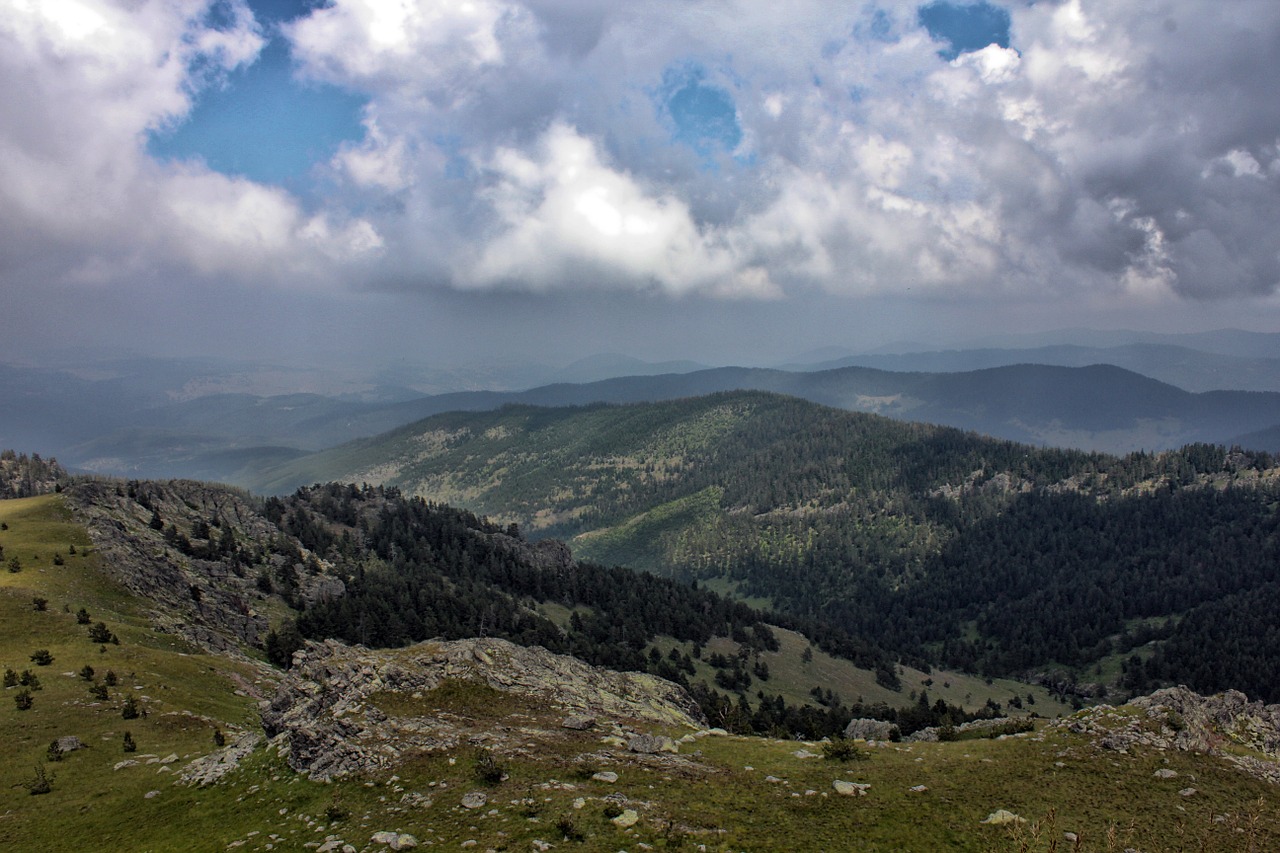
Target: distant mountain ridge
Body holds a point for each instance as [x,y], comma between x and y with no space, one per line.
[1188,369]
[155,419]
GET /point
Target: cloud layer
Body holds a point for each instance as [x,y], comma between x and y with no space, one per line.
[722,148]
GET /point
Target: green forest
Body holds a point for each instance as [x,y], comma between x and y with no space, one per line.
[913,542]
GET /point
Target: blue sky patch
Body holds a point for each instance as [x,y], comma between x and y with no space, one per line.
[704,115]
[262,123]
[965,27]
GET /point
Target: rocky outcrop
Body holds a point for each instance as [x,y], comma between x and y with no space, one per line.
[145,533]
[23,476]
[326,713]
[862,728]
[1177,718]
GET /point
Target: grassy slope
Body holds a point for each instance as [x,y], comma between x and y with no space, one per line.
[725,802]
[793,678]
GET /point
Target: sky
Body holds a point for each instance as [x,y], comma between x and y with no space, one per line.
[368,181]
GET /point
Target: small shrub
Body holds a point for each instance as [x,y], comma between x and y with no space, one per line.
[219,739]
[41,657]
[586,767]
[82,616]
[100,633]
[128,743]
[15,565]
[129,710]
[612,810]
[567,827]
[29,679]
[10,678]
[487,767]
[54,752]
[86,672]
[40,783]
[57,560]
[334,812]
[110,678]
[99,692]
[22,699]
[39,604]
[842,749]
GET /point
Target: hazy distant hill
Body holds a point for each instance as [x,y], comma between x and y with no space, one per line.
[126,424]
[1097,408]
[1188,369]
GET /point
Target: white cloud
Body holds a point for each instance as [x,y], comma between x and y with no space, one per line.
[566,219]
[429,49]
[79,195]
[522,144]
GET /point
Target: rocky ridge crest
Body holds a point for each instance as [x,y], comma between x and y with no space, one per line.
[1177,718]
[325,714]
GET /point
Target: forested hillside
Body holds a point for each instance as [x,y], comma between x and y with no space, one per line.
[938,545]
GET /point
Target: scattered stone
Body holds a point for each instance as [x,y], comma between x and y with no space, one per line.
[804,753]
[605,776]
[150,794]
[1003,817]
[475,800]
[918,789]
[627,819]
[215,765]
[330,846]
[1187,792]
[652,744]
[1070,837]
[1165,773]
[539,844]
[580,803]
[772,779]
[128,762]
[850,789]
[394,840]
[579,722]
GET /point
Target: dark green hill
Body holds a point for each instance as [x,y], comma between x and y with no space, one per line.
[937,544]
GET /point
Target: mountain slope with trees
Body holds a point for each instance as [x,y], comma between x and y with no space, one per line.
[939,545]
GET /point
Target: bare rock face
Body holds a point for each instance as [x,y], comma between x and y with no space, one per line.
[324,717]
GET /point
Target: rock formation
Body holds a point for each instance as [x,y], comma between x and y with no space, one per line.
[326,714]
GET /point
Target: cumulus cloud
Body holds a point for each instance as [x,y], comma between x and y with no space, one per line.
[80,198]
[1107,151]
[568,219]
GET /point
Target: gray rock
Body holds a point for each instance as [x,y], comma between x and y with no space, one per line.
[475,800]
[320,719]
[850,789]
[579,722]
[215,765]
[865,729]
[628,818]
[605,776]
[69,743]
[651,744]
